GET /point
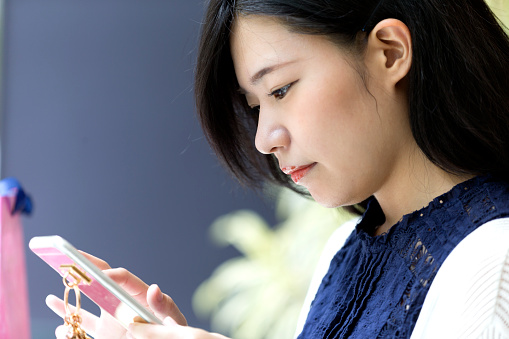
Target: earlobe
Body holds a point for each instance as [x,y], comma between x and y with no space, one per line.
[390,43]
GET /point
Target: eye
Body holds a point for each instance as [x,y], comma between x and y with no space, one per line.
[280,93]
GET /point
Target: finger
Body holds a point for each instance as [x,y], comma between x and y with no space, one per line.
[130,283]
[168,321]
[89,321]
[109,327]
[148,331]
[101,264]
[61,332]
[171,330]
[163,306]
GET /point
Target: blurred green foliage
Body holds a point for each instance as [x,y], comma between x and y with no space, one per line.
[501,10]
[260,294]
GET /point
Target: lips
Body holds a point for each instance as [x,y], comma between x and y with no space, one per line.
[297,172]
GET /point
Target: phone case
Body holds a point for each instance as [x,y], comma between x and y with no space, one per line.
[67,261]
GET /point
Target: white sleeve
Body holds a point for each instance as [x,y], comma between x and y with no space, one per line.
[469,297]
[333,245]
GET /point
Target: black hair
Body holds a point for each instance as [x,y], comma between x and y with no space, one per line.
[458,84]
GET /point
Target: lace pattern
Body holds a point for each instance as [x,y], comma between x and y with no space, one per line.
[376,286]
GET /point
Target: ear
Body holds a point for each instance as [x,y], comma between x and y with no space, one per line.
[389,50]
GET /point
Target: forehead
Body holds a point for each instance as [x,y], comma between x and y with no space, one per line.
[262,45]
[258,41]
[258,29]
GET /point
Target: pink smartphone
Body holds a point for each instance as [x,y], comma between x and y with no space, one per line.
[108,295]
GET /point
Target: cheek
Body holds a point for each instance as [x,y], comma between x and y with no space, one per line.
[336,117]
[331,110]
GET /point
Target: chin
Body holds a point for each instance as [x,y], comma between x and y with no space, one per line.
[334,200]
[327,202]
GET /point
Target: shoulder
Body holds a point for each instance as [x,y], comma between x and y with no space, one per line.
[469,296]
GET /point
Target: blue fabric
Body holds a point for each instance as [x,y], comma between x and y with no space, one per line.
[375,286]
[11,186]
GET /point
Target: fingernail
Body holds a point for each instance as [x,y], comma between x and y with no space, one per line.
[159,294]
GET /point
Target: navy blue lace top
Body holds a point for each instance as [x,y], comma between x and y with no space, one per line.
[375,286]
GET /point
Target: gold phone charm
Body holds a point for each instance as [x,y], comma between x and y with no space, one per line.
[73,320]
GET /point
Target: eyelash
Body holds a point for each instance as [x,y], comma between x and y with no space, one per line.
[278,94]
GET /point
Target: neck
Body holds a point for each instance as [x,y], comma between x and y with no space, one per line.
[413,187]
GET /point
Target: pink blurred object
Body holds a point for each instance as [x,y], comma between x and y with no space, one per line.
[14,311]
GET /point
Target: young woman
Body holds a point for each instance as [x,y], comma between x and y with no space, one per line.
[401,107]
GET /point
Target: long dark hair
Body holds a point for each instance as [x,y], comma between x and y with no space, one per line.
[458,85]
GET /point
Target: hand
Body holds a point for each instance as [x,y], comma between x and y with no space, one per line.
[106,326]
[170,330]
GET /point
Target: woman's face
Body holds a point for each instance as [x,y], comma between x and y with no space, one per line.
[340,138]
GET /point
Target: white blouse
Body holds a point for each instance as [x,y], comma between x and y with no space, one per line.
[469,297]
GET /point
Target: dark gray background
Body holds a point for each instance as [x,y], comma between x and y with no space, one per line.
[98,124]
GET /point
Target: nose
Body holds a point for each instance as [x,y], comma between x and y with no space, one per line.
[271,135]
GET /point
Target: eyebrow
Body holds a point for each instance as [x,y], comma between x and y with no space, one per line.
[263,72]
